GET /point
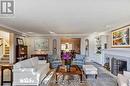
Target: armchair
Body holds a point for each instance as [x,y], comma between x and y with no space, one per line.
[79,60]
[54,61]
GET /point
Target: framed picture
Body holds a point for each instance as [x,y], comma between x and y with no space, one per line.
[41,44]
[120,37]
[20,41]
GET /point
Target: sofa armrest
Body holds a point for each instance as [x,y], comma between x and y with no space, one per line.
[25,76]
[24,70]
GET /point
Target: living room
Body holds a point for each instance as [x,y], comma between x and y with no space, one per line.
[74,43]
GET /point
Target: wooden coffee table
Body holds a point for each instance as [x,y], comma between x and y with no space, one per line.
[73,70]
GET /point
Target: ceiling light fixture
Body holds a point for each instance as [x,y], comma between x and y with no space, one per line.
[52,32]
[30,32]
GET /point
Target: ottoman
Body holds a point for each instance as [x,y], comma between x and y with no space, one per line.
[90,70]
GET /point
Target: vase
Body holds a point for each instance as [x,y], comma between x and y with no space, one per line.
[68,68]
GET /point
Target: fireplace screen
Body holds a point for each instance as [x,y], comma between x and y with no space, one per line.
[118,66]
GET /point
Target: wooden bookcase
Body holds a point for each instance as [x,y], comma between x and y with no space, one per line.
[21,52]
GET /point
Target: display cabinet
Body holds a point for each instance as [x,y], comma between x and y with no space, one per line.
[21,52]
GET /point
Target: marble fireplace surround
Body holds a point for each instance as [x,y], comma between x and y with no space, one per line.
[123,55]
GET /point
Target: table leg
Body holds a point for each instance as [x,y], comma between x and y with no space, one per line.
[1,76]
[56,78]
[81,78]
[86,76]
[11,77]
[96,76]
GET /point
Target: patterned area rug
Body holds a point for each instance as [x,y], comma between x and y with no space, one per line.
[103,79]
[67,80]
[70,80]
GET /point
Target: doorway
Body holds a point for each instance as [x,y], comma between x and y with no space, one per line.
[71,46]
[4,47]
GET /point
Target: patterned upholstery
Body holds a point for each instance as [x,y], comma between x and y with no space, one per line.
[54,61]
[79,60]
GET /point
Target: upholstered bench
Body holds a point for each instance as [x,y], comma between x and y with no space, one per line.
[90,70]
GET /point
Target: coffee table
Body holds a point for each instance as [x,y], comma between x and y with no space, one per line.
[73,70]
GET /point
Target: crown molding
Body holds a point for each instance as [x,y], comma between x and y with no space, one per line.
[58,35]
[9,29]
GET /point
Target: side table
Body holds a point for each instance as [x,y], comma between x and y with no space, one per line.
[3,67]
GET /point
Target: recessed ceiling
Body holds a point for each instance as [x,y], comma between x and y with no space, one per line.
[68,16]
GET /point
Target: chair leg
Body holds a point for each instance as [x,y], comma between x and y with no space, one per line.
[86,76]
[96,76]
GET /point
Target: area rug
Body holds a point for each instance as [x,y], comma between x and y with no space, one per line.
[66,80]
[103,79]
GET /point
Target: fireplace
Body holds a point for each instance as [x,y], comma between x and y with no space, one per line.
[118,66]
[119,60]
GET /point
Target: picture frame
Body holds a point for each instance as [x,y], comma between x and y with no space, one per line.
[41,44]
[121,37]
[20,41]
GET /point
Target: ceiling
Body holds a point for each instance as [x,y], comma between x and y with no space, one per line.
[68,16]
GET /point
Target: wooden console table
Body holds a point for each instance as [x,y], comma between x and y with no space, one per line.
[40,56]
[3,67]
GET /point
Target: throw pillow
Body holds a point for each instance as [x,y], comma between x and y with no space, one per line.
[34,61]
[26,64]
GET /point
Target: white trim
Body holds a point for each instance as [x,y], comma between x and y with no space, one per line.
[38,35]
[8,29]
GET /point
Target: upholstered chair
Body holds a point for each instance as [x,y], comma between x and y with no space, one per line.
[54,61]
[79,60]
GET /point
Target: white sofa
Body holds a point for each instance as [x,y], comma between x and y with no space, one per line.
[123,80]
[30,72]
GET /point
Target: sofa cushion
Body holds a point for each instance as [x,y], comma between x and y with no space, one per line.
[122,80]
[26,64]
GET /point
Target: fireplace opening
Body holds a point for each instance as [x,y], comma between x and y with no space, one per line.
[122,66]
[118,66]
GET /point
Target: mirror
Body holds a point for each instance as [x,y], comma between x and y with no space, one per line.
[87,47]
[54,46]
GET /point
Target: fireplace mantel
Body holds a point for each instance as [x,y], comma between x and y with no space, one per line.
[118,54]
[123,53]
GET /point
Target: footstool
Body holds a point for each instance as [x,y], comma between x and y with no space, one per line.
[90,70]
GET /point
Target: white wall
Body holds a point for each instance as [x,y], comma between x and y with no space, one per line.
[92,45]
